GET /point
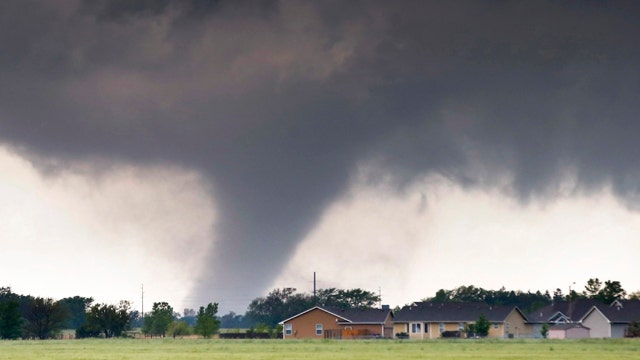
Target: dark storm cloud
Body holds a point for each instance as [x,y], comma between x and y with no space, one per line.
[277,102]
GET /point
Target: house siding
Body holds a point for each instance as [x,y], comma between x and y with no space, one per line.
[599,325]
[517,325]
[304,327]
[617,330]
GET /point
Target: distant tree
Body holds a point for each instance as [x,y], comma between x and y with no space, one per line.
[179,328]
[188,312]
[231,320]
[207,323]
[278,305]
[347,299]
[157,322]
[108,320]
[634,295]
[592,288]
[44,317]
[482,326]
[633,330]
[442,296]
[557,295]
[10,320]
[544,331]
[77,308]
[611,291]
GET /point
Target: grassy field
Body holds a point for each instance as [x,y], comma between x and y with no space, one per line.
[317,349]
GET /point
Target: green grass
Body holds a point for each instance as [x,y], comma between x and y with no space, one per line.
[316,349]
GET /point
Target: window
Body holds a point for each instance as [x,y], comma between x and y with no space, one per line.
[415,328]
[426,328]
[441,327]
[460,326]
[507,326]
[495,325]
[288,329]
[318,329]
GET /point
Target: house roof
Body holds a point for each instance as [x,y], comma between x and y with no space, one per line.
[453,312]
[573,311]
[352,316]
[621,311]
[567,326]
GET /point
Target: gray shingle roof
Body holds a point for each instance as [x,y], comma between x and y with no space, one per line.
[628,312]
[369,316]
[452,312]
[575,312]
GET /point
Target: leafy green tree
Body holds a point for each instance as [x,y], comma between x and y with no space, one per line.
[544,331]
[347,299]
[278,305]
[157,322]
[482,326]
[611,291]
[232,320]
[77,308]
[179,328]
[44,317]
[592,288]
[207,323]
[10,320]
[108,320]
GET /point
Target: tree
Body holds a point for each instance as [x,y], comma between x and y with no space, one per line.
[611,291]
[157,322]
[108,320]
[634,295]
[278,305]
[592,288]
[10,320]
[77,308]
[179,328]
[232,320]
[544,331]
[347,299]
[482,326]
[207,323]
[44,318]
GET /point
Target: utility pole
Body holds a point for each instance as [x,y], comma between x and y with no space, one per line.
[315,299]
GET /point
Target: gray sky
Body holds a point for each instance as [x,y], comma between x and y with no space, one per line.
[209,146]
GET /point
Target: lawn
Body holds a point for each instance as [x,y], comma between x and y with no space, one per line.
[317,349]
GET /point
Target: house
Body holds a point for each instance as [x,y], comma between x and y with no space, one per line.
[561,312]
[613,320]
[568,331]
[328,323]
[431,320]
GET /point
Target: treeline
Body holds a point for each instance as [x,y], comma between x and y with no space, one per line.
[28,317]
[606,292]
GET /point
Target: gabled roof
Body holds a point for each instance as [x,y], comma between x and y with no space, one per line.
[567,326]
[453,312]
[573,311]
[621,311]
[350,316]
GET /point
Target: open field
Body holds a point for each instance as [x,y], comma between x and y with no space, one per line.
[318,349]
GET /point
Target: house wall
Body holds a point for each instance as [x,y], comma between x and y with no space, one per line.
[400,328]
[371,329]
[496,330]
[556,334]
[617,330]
[598,324]
[577,333]
[304,326]
[517,325]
